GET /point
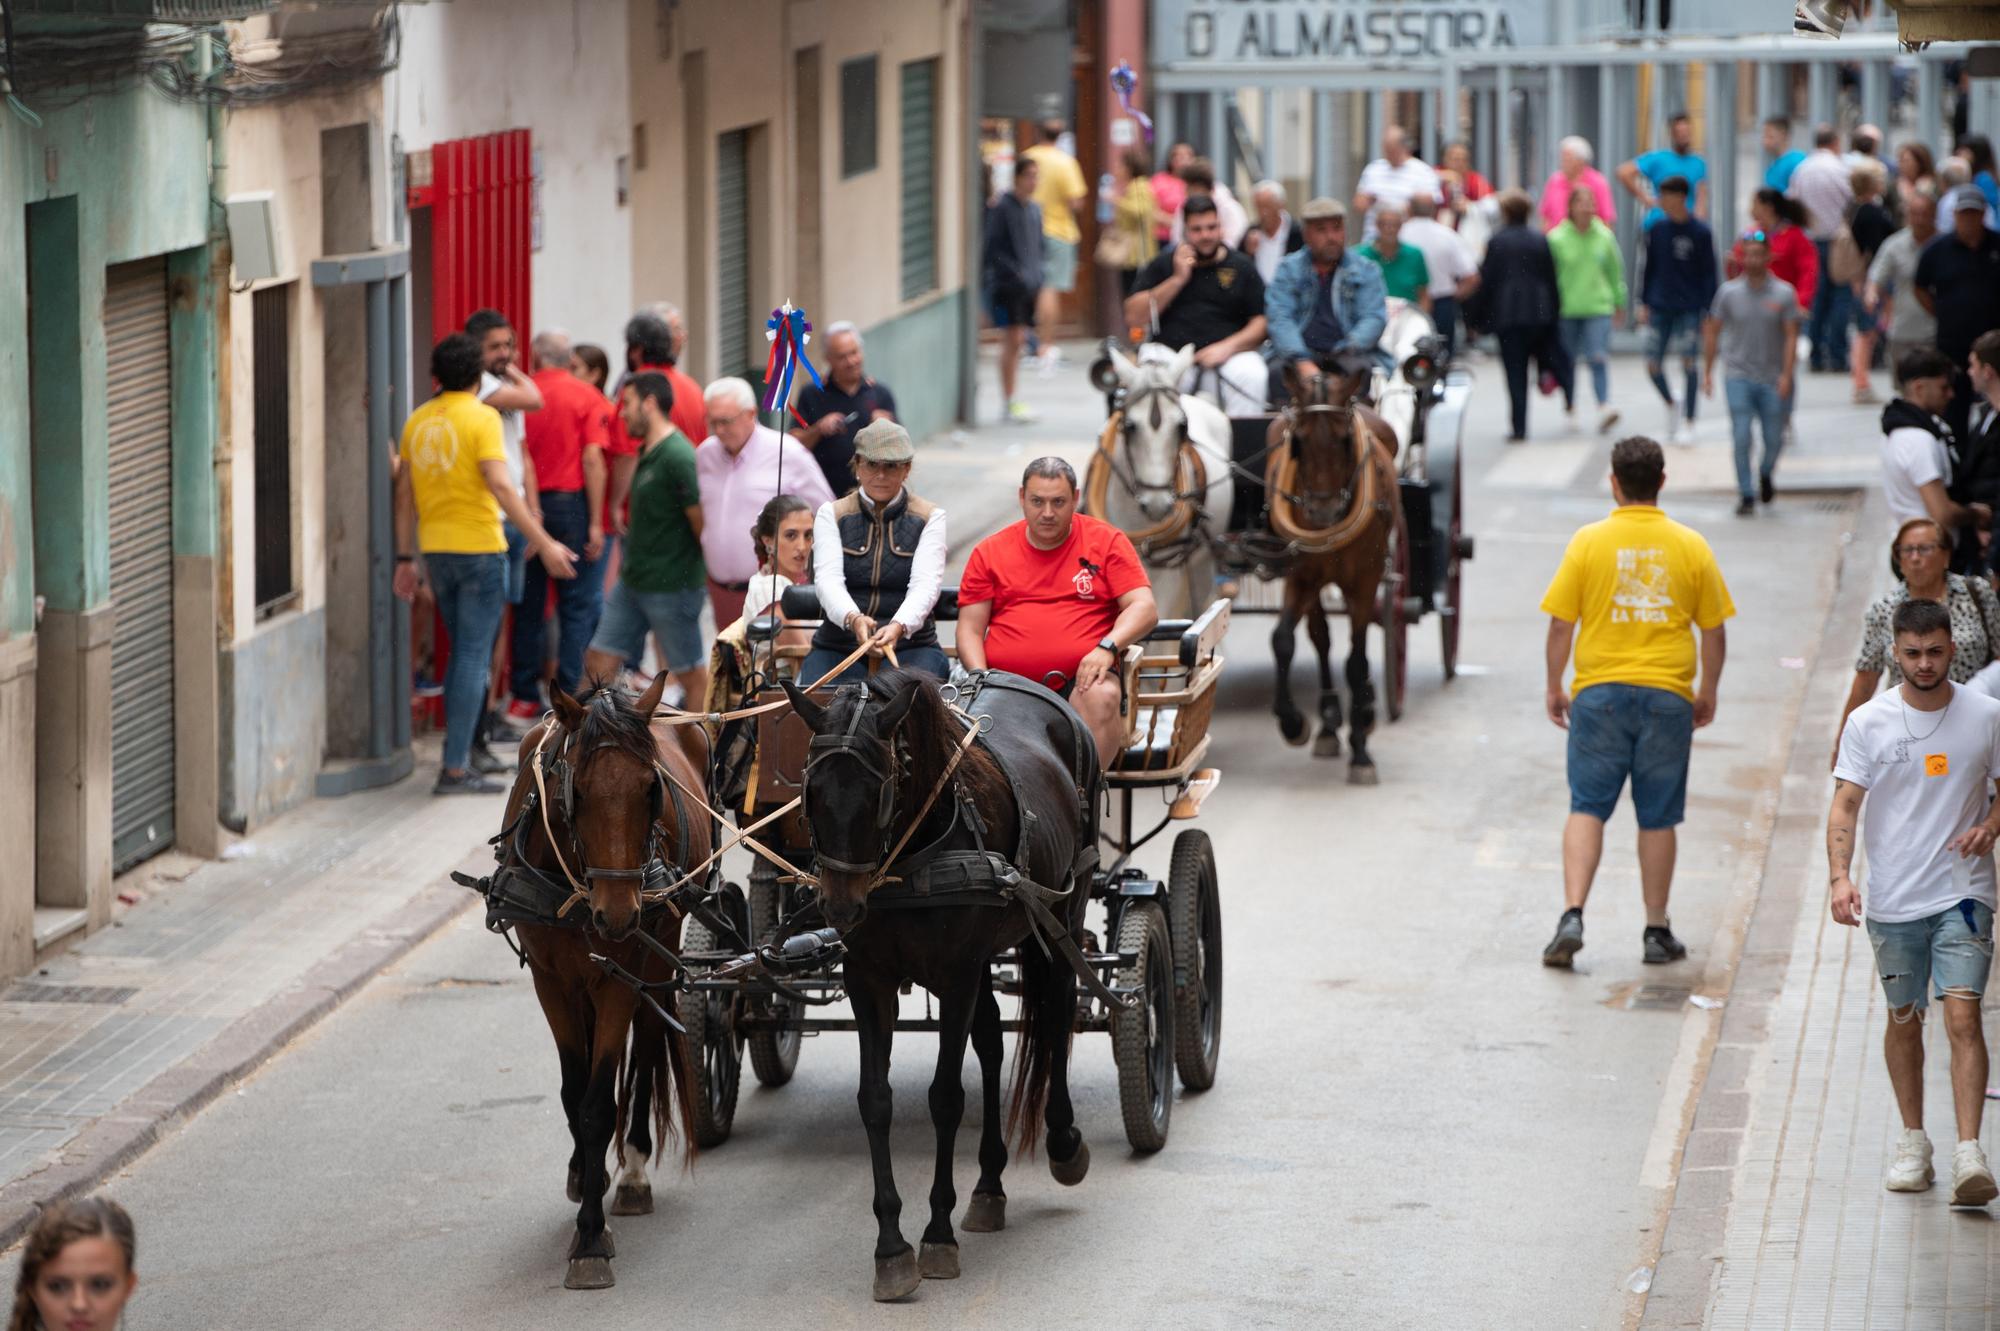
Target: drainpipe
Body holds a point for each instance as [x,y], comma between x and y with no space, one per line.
[222,450]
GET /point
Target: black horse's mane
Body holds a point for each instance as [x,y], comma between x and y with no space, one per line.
[612,719]
[931,730]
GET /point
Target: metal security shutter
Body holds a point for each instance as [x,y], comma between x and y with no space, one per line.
[919,178]
[732,252]
[139,424]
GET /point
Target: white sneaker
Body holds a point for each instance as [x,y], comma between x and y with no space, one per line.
[1911,1170]
[1683,433]
[1020,413]
[1971,1180]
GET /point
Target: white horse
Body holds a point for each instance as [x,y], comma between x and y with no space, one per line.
[1395,399]
[1148,489]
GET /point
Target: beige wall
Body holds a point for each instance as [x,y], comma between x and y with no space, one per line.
[748,48]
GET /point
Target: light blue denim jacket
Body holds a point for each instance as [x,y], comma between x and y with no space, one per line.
[1358,302]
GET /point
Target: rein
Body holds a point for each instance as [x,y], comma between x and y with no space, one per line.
[1190,473]
[1361,508]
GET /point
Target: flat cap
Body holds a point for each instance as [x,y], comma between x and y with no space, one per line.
[1965,199]
[883,441]
[1323,209]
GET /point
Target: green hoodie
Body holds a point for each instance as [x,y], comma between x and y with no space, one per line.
[1589,273]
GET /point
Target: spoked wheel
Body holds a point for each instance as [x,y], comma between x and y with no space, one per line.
[1457,549]
[1392,611]
[1143,1037]
[1194,912]
[714,1050]
[774,1054]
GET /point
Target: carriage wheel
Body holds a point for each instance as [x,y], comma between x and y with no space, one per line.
[715,1054]
[1390,610]
[1455,549]
[1194,910]
[1143,1037]
[774,1054]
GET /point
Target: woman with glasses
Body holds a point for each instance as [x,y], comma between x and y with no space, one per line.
[1920,555]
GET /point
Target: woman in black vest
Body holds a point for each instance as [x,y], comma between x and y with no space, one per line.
[878,561]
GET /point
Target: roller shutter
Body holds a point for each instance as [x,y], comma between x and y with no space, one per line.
[919,178]
[139,425]
[732,252]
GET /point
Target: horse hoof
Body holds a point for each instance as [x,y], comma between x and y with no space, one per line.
[573,1187]
[633,1199]
[1327,745]
[1293,729]
[938,1261]
[896,1277]
[986,1213]
[589,1273]
[1070,1172]
[1363,776]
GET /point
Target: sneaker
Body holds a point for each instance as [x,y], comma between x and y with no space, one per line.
[1971,1181]
[1568,940]
[1683,433]
[1548,383]
[1865,397]
[465,783]
[488,763]
[1819,19]
[1661,945]
[499,732]
[1607,419]
[524,711]
[1765,490]
[1746,507]
[1911,1170]
[423,686]
[1020,413]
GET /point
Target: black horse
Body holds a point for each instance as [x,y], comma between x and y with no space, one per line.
[1004,850]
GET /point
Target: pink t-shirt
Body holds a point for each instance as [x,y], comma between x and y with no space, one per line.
[1555,198]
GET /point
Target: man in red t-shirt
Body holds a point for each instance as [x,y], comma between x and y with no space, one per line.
[1057,597]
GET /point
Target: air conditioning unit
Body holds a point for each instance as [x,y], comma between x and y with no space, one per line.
[254,241]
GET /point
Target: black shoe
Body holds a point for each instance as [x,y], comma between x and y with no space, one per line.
[1765,490]
[488,763]
[499,730]
[1745,507]
[1567,942]
[1662,946]
[465,783]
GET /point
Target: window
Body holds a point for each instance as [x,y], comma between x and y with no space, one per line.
[919,166]
[271,386]
[857,116]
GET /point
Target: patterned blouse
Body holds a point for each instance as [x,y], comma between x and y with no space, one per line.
[1973,607]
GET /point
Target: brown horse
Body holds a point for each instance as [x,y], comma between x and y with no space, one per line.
[611,805]
[1331,479]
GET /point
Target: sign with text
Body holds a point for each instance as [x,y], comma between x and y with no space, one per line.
[1190,33]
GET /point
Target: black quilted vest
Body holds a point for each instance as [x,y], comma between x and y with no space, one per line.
[877,549]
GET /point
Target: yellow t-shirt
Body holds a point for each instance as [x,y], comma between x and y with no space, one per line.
[1060,181]
[1633,584]
[444,441]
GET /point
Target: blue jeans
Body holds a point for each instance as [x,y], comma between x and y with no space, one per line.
[1588,340]
[930,660]
[1946,953]
[517,563]
[579,601]
[1444,314]
[1674,333]
[1751,402]
[471,592]
[1827,325]
[1621,730]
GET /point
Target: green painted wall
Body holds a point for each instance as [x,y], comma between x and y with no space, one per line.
[918,355]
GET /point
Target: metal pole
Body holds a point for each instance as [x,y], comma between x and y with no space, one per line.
[1930,106]
[1772,87]
[1267,108]
[1503,100]
[399,410]
[1218,133]
[1819,94]
[1322,163]
[381,532]
[1448,126]
[1558,104]
[1721,147]
[1875,94]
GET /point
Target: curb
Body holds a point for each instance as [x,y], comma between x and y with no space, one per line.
[150,1113]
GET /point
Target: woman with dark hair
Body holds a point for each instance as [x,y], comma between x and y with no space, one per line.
[1916,173]
[76,1268]
[1517,300]
[1128,242]
[1794,257]
[783,536]
[1977,150]
[588,362]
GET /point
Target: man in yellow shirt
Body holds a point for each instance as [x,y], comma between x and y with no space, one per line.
[1637,584]
[1059,191]
[452,485]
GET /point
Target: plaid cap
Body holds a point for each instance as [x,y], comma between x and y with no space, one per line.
[1323,209]
[883,441]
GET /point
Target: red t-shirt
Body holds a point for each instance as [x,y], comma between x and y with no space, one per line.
[1050,607]
[573,416]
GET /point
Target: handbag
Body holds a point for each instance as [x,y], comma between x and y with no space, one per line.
[1117,248]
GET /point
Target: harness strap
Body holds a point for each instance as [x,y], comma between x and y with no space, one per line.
[1360,514]
[669,716]
[1190,472]
[580,892]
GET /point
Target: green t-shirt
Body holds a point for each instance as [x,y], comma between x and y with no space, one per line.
[662,553]
[1406,276]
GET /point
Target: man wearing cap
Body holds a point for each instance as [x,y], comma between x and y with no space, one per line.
[878,564]
[1958,281]
[1324,302]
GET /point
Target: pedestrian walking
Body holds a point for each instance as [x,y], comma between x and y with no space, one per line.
[1061,192]
[1129,242]
[1916,174]
[1574,172]
[1391,179]
[1976,151]
[1518,302]
[451,490]
[1754,323]
[1920,556]
[840,406]
[79,1266]
[742,465]
[1891,290]
[1169,190]
[1628,595]
[1823,186]
[566,443]
[1679,287]
[1011,277]
[1958,281]
[1643,175]
[1794,258]
[1868,227]
[1405,274]
[1977,468]
[1917,447]
[661,583]
[1590,281]
[1916,769]
[1454,272]
[1785,159]
[1469,186]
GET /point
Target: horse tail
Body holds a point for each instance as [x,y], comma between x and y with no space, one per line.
[673,1080]
[1048,1019]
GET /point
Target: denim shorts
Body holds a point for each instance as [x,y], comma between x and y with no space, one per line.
[1621,730]
[673,617]
[1951,950]
[1672,333]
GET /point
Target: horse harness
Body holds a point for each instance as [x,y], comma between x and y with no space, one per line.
[1354,507]
[1173,539]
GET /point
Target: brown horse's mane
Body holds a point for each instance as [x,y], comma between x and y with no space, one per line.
[611,718]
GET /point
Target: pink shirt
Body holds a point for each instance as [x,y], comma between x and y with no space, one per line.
[1169,192]
[1555,197]
[735,489]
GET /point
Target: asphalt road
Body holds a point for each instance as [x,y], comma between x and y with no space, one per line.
[1415,1125]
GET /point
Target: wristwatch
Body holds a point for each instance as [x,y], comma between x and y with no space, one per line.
[1107,643]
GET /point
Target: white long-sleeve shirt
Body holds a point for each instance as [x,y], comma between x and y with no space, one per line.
[830,571]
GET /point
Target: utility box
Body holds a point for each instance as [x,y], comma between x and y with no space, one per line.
[254,247]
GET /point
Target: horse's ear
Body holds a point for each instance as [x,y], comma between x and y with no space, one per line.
[1121,364]
[649,701]
[1177,368]
[568,710]
[808,711]
[897,707]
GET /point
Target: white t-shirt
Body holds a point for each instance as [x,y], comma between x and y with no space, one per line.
[1929,778]
[1394,185]
[765,591]
[1987,681]
[1445,252]
[513,431]
[1911,458]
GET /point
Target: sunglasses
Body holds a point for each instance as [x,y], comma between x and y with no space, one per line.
[1924,551]
[1757,235]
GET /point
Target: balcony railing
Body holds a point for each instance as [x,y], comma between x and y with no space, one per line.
[142,11]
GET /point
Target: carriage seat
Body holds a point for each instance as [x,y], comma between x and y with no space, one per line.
[1152,748]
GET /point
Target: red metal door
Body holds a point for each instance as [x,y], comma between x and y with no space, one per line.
[480,197]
